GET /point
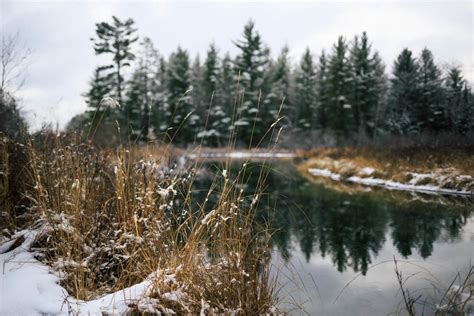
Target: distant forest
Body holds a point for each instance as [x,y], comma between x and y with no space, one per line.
[344,95]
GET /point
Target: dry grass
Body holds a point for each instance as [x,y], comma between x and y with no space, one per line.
[396,161]
[450,299]
[446,168]
[110,219]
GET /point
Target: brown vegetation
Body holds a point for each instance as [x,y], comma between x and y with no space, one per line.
[110,219]
[450,168]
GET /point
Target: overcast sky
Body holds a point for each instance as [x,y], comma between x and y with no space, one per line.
[63,60]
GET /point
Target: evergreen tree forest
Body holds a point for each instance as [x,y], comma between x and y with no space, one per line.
[345,93]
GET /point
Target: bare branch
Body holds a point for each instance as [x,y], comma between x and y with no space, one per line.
[14,60]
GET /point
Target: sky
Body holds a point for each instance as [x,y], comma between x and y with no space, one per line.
[62,59]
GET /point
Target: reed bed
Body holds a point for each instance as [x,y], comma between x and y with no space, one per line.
[109,219]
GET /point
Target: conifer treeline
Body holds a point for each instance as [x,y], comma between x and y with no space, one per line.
[345,92]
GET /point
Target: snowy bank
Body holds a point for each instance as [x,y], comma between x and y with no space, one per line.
[29,287]
[414,184]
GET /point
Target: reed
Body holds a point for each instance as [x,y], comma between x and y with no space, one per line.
[109,219]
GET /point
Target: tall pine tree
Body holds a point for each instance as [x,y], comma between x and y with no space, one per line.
[404,96]
[278,103]
[198,101]
[100,87]
[160,111]
[250,67]
[458,103]
[116,39]
[226,96]
[430,111]
[321,114]
[305,92]
[368,85]
[179,98]
[142,93]
[217,121]
[340,113]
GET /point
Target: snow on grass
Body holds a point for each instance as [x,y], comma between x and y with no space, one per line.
[28,287]
[459,297]
[412,185]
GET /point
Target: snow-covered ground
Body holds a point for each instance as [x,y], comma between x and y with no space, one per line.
[28,287]
[370,181]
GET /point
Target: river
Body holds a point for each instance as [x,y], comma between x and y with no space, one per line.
[333,247]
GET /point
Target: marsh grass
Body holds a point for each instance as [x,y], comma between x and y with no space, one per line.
[109,219]
[455,298]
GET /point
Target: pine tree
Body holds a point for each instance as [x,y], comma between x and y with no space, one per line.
[160,111]
[381,87]
[321,114]
[211,73]
[142,93]
[225,97]
[116,39]
[458,104]
[468,100]
[404,95]
[279,100]
[217,120]
[368,85]
[250,71]
[340,113]
[430,112]
[226,85]
[100,87]
[179,97]
[305,94]
[199,104]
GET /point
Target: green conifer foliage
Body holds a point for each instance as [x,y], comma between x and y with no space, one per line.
[459,105]
[305,92]
[179,97]
[321,114]
[250,67]
[368,85]
[430,112]
[116,39]
[215,132]
[340,112]
[279,104]
[404,96]
[142,93]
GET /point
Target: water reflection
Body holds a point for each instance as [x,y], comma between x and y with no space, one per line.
[349,228]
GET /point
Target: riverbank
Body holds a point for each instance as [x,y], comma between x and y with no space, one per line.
[419,170]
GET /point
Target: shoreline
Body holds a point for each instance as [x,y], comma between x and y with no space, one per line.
[388,184]
[413,170]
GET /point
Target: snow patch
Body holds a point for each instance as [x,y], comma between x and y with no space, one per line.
[411,186]
[27,287]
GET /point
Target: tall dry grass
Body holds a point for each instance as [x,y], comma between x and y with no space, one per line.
[109,219]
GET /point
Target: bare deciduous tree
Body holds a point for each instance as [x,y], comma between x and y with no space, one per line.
[15,59]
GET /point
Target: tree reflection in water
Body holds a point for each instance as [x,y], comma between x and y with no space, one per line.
[350,228]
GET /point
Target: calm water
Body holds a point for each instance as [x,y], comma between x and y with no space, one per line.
[334,249]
